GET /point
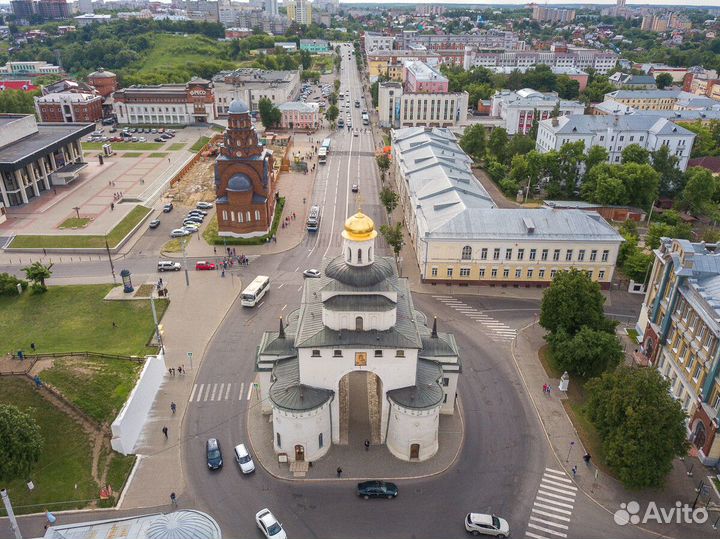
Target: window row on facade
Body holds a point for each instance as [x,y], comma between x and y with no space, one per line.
[570,255]
[240,217]
[519,273]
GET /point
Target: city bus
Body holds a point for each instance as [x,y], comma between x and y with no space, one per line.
[322,155]
[255,291]
[365,118]
[313,220]
[326,144]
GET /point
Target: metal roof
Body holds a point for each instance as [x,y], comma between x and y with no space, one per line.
[359,303]
[48,138]
[588,125]
[427,391]
[287,393]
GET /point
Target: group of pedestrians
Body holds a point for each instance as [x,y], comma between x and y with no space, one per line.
[180,370]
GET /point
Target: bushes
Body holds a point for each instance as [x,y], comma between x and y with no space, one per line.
[8,284]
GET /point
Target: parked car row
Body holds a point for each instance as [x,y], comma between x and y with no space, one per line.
[192,221]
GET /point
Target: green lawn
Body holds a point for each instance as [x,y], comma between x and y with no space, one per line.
[75,319]
[98,386]
[130,154]
[83,241]
[124,146]
[63,472]
[211,231]
[158,154]
[633,334]
[176,146]
[199,143]
[74,222]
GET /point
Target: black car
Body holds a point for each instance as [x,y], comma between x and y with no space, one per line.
[167,208]
[214,454]
[377,489]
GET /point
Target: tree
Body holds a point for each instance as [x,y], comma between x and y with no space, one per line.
[495,169]
[383,163]
[589,353]
[595,91]
[336,85]
[666,164]
[37,272]
[636,264]
[595,156]
[520,145]
[269,114]
[641,183]
[701,187]
[332,113]
[20,443]
[572,301]
[393,235]
[634,153]
[497,145]
[663,230]
[663,80]
[8,284]
[473,142]
[389,199]
[567,88]
[641,425]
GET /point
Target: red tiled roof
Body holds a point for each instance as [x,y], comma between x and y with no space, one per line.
[24,85]
[710,163]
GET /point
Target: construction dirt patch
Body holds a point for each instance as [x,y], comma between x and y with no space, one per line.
[197,184]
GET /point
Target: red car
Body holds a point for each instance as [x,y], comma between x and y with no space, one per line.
[202,265]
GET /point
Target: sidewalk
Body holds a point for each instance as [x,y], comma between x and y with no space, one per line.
[159,469]
[605,491]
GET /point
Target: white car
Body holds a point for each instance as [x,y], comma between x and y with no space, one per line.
[244,460]
[269,525]
[204,205]
[179,233]
[312,273]
[480,523]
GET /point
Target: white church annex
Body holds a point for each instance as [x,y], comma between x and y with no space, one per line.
[357,317]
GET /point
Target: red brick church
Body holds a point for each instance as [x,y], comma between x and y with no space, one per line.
[244,179]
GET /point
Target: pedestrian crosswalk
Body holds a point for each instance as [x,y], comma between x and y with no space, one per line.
[220,391]
[553,506]
[497,330]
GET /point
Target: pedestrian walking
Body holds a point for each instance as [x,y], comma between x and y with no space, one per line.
[367,445]
[586,458]
[214,250]
[173,499]
[544,389]
[180,369]
[165,431]
[114,324]
[183,369]
[32,345]
[173,407]
[548,390]
[170,371]
[574,470]
[339,471]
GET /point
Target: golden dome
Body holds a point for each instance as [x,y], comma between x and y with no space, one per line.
[359,227]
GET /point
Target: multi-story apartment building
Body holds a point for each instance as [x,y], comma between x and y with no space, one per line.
[615,133]
[299,11]
[374,41]
[314,45]
[52,10]
[421,78]
[170,104]
[398,108]
[518,109]
[250,85]
[451,47]
[69,107]
[658,99]
[679,331]
[459,236]
[391,63]
[299,115]
[600,61]
[23,9]
[550,14]
[29,69]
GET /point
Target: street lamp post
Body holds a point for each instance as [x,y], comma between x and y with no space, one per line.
[11,515]
[187,276]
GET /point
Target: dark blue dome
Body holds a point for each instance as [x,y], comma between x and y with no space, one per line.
[238,106]
[240,182]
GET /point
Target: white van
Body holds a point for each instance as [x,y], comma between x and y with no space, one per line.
[244,459]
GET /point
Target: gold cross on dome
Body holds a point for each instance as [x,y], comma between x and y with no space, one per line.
[359,200]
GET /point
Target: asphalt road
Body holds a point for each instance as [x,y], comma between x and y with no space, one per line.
[505,452]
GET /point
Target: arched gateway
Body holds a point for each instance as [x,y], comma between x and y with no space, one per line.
[356,361]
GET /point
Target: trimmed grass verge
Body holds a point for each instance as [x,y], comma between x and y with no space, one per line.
[99,387]
[158,154]
[211,231]
[199,143]
[74,222]
[63,473]
[80,241]
[130,154]
[173,246]
[120,146]
[75,319]
[176,146]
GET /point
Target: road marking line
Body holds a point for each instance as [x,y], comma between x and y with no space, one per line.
[549,523]
[556,478]
[509,331]
[546,530]
[207,393]
[250,388]
[561,491]
[284,307]
[553,470]
[242,390]
[560,504]
[227,393]
[260,304]
[550,482]
[192,393]
[439,297]
[299,288]
[212,397]
[534,536]
[551,515]
[199,395]
[555,496]
[551,508]
[279,287]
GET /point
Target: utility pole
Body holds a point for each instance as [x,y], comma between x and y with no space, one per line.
[187,277]
[10,514]
[112,268]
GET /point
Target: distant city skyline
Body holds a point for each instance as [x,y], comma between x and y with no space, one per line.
[501,3]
